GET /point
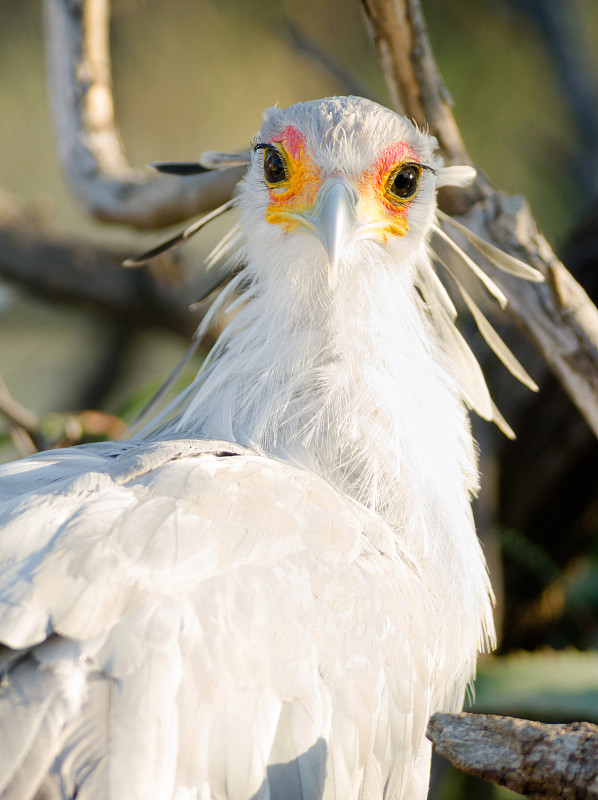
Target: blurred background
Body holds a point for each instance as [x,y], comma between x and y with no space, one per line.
[193,75]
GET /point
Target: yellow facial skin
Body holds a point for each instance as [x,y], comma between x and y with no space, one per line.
[377,200]
[298,193]
[383,213]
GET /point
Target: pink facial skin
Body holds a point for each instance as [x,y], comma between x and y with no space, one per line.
[300,191]
[293,140]
[397,153]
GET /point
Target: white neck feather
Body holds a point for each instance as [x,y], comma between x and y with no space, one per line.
[352,385]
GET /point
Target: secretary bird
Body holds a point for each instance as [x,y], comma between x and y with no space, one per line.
[269,593]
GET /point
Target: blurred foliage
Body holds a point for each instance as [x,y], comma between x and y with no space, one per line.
[547,685]
[191,75]
[509,103]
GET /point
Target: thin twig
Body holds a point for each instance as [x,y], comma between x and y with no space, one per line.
[23,424]
[304,43]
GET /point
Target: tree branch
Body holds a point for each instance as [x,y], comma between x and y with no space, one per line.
[89,144]
[398,31]
[23,424]
[557,315]
[551,762]
[16,413]
[49,266]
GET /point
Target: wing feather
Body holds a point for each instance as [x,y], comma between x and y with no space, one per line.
[201,635]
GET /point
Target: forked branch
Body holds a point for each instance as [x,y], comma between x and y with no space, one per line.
[558,316]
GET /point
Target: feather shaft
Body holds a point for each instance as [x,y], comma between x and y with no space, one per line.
[502,260]
[179,238]
[478,272]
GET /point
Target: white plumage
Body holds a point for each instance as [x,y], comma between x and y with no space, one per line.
[270,598]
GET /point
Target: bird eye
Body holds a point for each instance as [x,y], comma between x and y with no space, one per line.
[404,183]
[274,169]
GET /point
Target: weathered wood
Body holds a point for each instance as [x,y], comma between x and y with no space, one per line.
[22,424]
[541,761]
[557,315]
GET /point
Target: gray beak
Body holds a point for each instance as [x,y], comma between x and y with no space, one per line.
[334,221]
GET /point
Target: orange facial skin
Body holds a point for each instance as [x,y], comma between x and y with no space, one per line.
[376,202]
[300,191]
[386,215]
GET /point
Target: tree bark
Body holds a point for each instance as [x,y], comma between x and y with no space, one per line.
[541,761]
[398,31]
[557,315]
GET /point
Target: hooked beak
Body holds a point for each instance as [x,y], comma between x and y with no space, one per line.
[334,222]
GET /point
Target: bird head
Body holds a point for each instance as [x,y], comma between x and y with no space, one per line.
[328,175]
[339,216]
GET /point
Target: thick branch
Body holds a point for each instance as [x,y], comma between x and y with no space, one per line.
[89,144]
[530,758]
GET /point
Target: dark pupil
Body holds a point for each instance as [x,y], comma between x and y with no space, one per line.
[405,182]
[273,166]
